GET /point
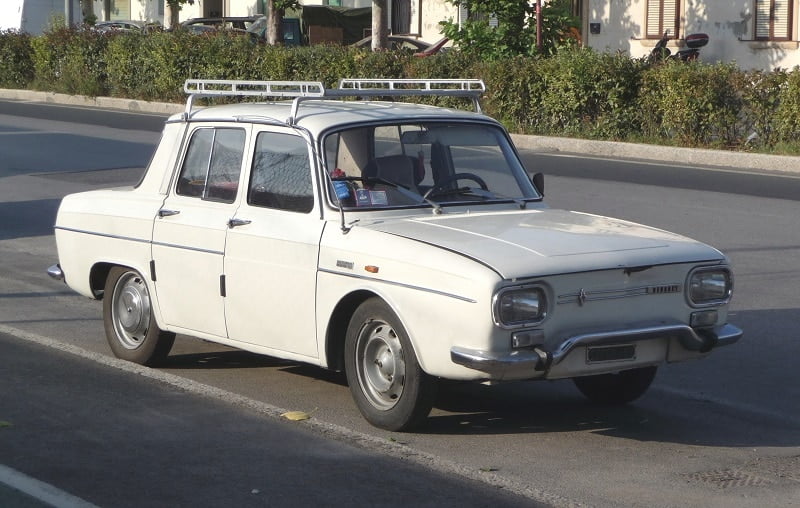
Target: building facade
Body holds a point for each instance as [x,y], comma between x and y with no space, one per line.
[418,18]
[754,34]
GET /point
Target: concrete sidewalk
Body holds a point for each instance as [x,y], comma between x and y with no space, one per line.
[612,149]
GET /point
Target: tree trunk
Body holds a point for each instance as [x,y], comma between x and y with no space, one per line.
[380,25]
[174,14]
[274,24]
[87,9]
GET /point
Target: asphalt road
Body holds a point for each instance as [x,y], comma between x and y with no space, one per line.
[724,431]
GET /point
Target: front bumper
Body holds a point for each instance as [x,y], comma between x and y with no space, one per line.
[534,363]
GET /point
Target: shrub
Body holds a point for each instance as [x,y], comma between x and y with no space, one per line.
[695,103]
[16,62]
[787,114]
[70,60]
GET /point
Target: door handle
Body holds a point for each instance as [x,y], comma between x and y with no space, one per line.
[238,222]
[167,213]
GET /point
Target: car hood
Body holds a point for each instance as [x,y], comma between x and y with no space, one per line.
[531,243]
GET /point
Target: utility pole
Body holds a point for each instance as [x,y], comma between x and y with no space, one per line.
[538,26]
[68,13]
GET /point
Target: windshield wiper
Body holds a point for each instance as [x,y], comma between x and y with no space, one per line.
[480,193]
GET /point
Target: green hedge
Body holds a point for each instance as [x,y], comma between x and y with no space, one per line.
[575,92]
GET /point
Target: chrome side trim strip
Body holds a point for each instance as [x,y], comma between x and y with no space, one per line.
[398,284]
[104,235]
[139,240]
[184,247]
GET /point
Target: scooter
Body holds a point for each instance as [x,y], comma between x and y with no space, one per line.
[693,44]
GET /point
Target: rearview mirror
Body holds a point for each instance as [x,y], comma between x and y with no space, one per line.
[538,181]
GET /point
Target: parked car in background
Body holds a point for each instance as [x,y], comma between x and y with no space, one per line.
[127,26]
[292,31]
[396,42]
[238,22]
[398,242]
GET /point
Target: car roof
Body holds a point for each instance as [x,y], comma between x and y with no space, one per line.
[320,115]
[317,108]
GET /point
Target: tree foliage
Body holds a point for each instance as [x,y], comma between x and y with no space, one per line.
[506,28]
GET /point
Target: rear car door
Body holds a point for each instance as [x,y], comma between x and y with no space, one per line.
[189,233]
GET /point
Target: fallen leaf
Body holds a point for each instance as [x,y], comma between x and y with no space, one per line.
[4,423]
[296,416]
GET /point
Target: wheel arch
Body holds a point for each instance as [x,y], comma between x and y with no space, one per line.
[97,278]
[337,326]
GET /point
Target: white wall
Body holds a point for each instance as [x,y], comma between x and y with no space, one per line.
[728,23]
[33,16]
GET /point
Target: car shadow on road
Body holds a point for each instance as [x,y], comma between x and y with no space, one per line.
[556,407]
[21,219]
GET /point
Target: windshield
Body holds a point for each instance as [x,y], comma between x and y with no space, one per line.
[423,164]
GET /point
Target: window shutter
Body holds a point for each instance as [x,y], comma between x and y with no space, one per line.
[773,19]
[780,19]
[463,15]
[662,15]
[762,18]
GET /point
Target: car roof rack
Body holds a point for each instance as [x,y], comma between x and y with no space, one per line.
[349,87]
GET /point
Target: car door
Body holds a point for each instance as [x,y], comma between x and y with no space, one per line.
[271,252]
[189,233]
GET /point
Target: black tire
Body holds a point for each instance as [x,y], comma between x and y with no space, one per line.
[131,329]
[618,388]
[389,387]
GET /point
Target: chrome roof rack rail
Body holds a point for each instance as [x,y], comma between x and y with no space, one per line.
[364,87]
[305,90]
[197,88]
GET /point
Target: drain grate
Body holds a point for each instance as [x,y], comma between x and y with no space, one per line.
[728,478]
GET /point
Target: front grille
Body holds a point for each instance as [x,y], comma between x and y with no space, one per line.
[590,295]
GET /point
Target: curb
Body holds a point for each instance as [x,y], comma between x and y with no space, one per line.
[657,153]
[611,149]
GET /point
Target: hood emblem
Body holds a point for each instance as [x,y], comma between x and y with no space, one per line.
[582,297]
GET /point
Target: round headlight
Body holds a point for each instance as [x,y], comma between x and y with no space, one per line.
[520,306]
[710,286]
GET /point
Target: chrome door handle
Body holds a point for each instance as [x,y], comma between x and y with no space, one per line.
[167,213]
[238,222]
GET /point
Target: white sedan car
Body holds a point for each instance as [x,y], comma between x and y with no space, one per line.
[402,243]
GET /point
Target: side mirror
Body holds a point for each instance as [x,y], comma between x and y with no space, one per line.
[538,181]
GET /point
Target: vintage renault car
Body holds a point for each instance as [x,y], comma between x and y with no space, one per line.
[402,243]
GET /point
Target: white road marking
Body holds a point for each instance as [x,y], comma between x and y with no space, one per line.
[39,490]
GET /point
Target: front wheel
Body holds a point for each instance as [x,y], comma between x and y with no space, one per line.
[387,383]
[618,388]
[131,329]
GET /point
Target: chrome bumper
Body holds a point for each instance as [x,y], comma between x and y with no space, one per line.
[537,362]
[56,272]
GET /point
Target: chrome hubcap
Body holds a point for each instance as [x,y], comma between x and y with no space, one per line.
[131,310]
[381,366]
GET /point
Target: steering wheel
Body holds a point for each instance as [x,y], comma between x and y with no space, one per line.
[440,186]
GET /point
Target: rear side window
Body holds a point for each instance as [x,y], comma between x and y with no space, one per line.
[212,164]
[281,175]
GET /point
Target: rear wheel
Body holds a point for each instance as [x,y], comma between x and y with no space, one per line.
[131,329]
[618,388]
[387,383]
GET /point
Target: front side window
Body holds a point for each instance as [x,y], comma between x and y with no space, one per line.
[212,164]
[663,16]
[423,164]
[773,20]
[281,174]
